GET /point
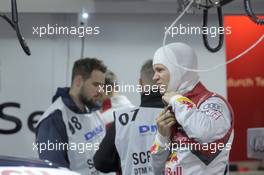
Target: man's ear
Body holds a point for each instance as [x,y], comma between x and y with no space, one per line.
[140,81]
[78,81]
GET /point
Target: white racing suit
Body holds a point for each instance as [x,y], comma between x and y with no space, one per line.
[201,140]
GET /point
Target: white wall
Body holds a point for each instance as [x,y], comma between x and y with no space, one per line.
[124,43]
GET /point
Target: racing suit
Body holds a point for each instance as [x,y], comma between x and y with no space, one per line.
[201,139]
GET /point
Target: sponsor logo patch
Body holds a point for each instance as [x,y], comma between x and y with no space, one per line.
[214,110]
[186,101]
[147,129]
[92,134]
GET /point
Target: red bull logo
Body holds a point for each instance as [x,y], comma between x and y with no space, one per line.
[177,171]
[173,157]
[186,101]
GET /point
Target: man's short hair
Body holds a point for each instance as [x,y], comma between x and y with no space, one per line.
[110,80]
[147,73]
[85,66]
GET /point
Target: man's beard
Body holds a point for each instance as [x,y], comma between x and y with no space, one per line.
[87,102]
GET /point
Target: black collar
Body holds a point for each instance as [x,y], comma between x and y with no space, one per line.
[151,100]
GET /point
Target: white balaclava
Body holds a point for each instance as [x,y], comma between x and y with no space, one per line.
[181,80]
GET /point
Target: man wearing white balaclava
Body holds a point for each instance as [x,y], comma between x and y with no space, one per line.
[195,130]
[178,54]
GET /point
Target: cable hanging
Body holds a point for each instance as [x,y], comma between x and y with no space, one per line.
[14,24]
[214,67]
